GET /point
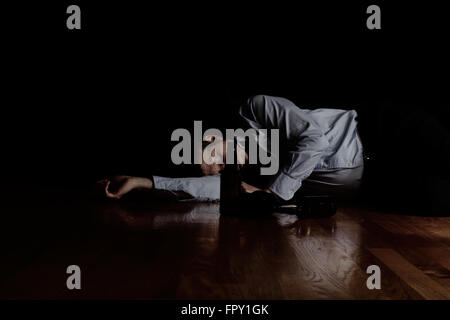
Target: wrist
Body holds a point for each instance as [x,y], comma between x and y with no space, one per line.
[143,183]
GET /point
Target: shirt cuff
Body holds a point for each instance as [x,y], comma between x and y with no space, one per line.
[284,186]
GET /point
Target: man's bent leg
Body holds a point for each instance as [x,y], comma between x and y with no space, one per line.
[341,183]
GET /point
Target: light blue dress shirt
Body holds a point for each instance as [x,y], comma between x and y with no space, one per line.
[310,140]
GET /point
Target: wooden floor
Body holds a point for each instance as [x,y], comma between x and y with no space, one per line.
[189,251]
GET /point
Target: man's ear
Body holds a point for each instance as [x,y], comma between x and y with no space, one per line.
[212,137]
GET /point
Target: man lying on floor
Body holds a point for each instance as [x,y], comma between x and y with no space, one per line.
[320,153]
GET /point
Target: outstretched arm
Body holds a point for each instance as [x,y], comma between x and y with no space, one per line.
[200,189]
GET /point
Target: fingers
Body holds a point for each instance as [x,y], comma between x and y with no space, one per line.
[108,194]
[245,187]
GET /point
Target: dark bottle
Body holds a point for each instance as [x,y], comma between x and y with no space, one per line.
[230,185]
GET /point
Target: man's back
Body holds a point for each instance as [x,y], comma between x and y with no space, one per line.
[340,145]
[344,145]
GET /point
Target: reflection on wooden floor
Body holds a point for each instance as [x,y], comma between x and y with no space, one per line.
[189,251]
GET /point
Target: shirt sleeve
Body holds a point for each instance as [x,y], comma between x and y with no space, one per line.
[300,136]
[199,188]
[302,156]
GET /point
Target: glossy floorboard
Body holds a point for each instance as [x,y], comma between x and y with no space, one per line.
[189,251]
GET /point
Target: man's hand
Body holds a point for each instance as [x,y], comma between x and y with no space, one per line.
[247,188]
[118,186]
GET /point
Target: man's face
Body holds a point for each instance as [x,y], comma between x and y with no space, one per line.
[214,157]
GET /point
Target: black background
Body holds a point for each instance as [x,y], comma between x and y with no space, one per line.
[81,104]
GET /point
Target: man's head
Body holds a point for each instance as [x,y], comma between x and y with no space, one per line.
[214,150]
